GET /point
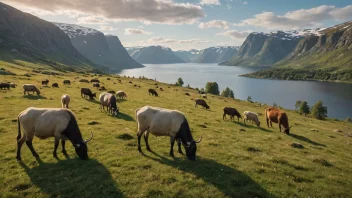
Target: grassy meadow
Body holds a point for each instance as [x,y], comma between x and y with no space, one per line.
[233,159]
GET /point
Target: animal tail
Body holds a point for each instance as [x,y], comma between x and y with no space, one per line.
[19,128]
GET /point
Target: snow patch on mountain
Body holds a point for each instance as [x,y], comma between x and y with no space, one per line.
[293,34]
[75,30]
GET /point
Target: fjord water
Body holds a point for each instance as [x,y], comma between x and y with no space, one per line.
[336,96]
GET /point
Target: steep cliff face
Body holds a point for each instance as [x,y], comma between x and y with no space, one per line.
[216,54]
[265,49]
[26,37]
[154,55]
[331,48]
[94,45]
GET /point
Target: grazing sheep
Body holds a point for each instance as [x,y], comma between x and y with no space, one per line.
[121,94]
[248,115]
[108,79]
[130,82]
[87,92]
[12,85]
[97,85]
[30,87]
[5,86]
[187,94]
[108,100]
[45,82]
[135,85]
[232,112]
[273,114]
[120,81]
[50,122]
[152,92]
[65,100]
[95,81]
[201,103]
[67,82]
[83,80]
[204,96]
[55,85]
[112,92]
[102,88]
[161,89]
[166,122]
[139,86]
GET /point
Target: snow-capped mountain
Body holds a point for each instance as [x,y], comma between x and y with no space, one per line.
[188,55]
[217,54]
[154,55]
[265,49]
[100,49]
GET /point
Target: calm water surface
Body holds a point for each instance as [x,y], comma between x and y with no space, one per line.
[336,96]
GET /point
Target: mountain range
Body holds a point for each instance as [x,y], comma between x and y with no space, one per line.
[216,54]
[101,49]
[154,55]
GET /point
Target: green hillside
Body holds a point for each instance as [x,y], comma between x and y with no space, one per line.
[233,159]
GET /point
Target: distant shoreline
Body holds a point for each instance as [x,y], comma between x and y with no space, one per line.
[327,75]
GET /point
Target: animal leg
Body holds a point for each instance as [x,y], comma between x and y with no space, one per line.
[179,146]
[63,147]
[57,141]
[280,126]
[172,141]
[30,146]
[19,146]
[146,135]
[271,124]
[267,122]
[224,116]
[139,135]
[238,119]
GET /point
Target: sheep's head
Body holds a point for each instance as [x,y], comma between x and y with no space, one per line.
[191,149]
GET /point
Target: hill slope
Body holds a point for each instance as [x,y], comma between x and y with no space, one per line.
[331,48]
[265,49]
[154,55]
[216,54]
[29,38]
[233,159]
[100,49]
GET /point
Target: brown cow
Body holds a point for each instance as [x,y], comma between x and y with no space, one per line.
[201,103]
[232,112]
[273,114]
[87,92]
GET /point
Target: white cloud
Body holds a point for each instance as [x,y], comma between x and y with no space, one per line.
[90,20]
[152,11]
[215,24]
[210,2]
[299,18]
[131,31]
[106,28]
[235,34]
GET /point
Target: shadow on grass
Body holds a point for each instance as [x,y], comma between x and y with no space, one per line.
[302,138]
[250,126]
[119,100]
[92,101]
[73,178]
[232,182]
[34,97]
[124,116]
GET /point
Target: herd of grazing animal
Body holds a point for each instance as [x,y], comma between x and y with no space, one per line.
[61,123]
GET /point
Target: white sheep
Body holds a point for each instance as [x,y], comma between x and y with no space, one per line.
[166,122]
[50,122]
[248,115]
[65,101]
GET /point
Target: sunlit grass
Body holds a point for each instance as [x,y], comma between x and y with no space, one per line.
[234,160]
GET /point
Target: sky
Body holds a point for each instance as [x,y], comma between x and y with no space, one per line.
[189,24]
